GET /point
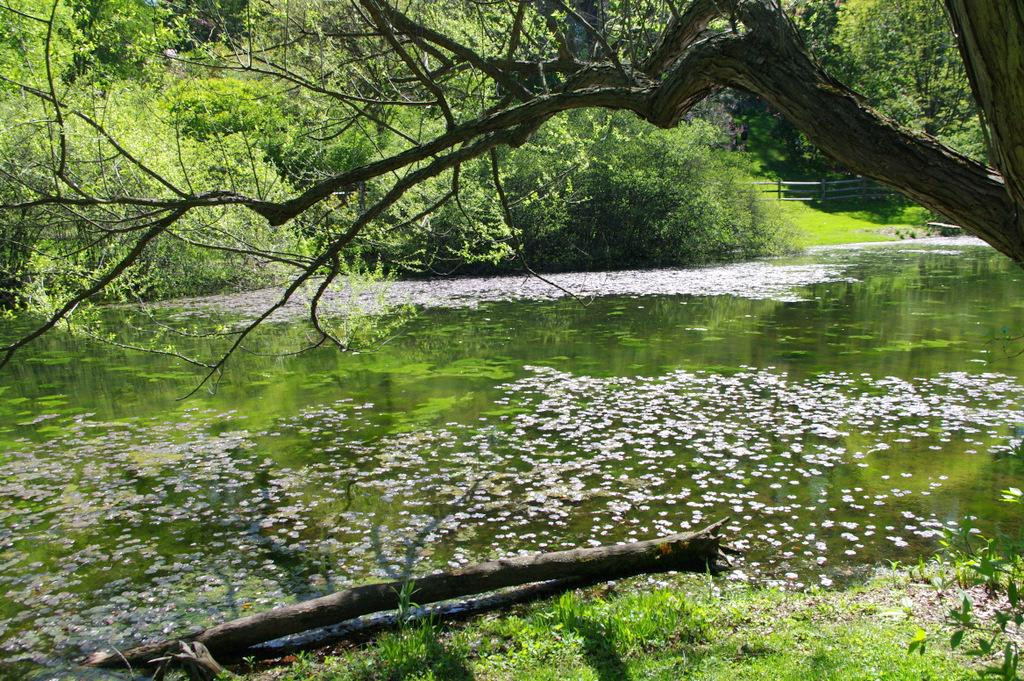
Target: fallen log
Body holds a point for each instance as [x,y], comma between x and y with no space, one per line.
[363,629]
[699,551]
[194,659]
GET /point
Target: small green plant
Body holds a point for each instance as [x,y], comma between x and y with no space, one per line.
[634,623]
[997,566]
[302,668]
[417,650]
[406,608]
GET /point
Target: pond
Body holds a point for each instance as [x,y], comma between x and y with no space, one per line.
[841,408]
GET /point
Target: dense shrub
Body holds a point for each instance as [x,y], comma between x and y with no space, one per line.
[646,197]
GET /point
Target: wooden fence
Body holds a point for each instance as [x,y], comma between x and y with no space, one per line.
[824,190]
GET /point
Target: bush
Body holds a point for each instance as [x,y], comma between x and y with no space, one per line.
[606,191]
[49,255]
[650,197]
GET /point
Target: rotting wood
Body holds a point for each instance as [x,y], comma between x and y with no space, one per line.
[364,628]
[194,659]
[699,551]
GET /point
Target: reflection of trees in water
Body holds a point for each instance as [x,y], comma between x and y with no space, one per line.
[415,544]
[903,298]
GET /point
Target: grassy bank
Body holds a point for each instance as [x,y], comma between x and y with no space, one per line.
[681,627]
[827,224]
[770,154]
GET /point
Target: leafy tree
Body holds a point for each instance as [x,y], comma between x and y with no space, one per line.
[211,21]
[817,21]
[441,91]
[111,39]
[902,56]
[640,196]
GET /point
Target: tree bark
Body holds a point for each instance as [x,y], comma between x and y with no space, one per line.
[991,40]
[770,60]
[195,660]
[365,628]
[699,551]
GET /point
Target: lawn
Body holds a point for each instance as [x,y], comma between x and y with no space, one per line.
[769,156]
[681,627]
[825,224]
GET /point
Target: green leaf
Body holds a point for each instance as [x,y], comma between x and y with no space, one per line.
[918,641]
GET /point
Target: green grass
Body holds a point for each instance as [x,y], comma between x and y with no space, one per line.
[769,155]
[770,151]
[687,629]
[826,224]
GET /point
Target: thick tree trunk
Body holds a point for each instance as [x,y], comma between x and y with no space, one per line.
[699,551]
[772,62]
[990,34]
[764,54]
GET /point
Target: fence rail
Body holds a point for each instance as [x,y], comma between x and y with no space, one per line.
[824,190]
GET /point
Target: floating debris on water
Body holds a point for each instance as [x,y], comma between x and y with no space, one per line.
[755,280]
[803,422]
[124,530]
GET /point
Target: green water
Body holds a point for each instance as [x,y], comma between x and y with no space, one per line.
[844,425]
